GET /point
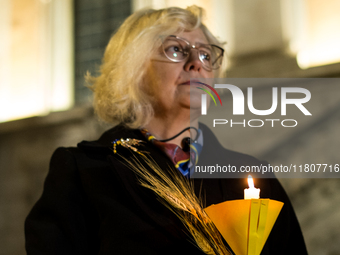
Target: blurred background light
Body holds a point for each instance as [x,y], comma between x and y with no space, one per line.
[321,41]
[36,58]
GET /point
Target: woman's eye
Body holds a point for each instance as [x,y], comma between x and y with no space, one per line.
[176,48]
[206,56]
[175,51]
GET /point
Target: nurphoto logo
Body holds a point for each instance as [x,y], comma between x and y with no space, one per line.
[238,104]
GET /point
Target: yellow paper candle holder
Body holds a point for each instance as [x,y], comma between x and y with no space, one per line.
[245,224]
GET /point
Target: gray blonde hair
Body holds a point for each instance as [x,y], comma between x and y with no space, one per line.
[118,91]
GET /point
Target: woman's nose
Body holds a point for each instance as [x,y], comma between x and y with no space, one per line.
[193,62]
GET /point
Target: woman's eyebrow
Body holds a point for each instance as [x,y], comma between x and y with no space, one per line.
[197,41]
[203,45]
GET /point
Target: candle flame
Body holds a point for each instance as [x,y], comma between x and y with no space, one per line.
[250,182]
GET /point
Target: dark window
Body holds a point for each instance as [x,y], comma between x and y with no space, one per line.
[95,22]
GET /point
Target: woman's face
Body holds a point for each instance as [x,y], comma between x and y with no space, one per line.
[169,82]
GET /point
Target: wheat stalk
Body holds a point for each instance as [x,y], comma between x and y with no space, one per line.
[177,193]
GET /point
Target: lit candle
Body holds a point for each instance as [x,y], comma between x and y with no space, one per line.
[252,192]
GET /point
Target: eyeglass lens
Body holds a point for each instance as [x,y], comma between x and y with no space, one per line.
[177,50]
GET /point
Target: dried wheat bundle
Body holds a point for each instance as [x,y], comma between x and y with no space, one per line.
[177,193]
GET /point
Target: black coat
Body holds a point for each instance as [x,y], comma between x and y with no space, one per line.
[92,204]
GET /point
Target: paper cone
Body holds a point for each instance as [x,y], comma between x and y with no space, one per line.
[245,224]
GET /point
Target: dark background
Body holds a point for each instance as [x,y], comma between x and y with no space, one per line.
[26,145]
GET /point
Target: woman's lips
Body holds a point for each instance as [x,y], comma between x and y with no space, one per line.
[192,82]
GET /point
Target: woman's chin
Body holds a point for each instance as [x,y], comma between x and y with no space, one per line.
[195,104]
[190,103]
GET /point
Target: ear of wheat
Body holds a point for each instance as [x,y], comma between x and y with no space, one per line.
[177,194]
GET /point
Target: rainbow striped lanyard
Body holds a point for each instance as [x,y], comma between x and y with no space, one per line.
[184,161]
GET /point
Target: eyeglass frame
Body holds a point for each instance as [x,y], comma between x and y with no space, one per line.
[193,46]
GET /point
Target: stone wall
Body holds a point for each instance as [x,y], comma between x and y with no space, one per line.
[25,150]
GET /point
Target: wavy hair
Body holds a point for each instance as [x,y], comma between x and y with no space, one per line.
[118,91]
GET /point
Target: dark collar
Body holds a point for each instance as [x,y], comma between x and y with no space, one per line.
[104,143]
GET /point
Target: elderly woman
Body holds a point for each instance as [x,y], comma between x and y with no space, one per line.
[93,202]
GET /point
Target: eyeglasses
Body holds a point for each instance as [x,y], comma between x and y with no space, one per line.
[178,49]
